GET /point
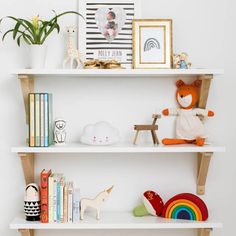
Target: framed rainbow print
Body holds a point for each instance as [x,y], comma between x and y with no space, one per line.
[106,32]
[152,44]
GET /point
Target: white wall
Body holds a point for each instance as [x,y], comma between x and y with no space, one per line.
[202,28]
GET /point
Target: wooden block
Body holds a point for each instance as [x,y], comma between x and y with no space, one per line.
[26,232]
[204,91]
[146,127]
[27,162]
[204,232]
[27,86]
[203,166]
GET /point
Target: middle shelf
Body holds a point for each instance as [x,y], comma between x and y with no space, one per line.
[121,148]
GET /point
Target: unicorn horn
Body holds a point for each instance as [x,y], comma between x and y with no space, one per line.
[110,189]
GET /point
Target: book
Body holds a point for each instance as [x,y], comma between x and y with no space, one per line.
[44,195]
[50,120]
[37,120]
[76,205]
[42,119]
[65,203]
[70,203]
[46,131]
[58,197]
[50,198]
[31,120]
[62,184]
[55,198]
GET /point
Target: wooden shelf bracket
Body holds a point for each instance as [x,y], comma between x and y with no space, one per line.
[204,232]
[26,232]
[27,86]
[203,166]
[27,162]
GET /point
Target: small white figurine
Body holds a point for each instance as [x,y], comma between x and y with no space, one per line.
[73,54]
[94,203]
[32,202]
[59,131]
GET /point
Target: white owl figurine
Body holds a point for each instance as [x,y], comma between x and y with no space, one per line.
[59,132]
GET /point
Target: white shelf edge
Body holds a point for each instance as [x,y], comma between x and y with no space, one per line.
[122,148]
[117,220]
[117,72]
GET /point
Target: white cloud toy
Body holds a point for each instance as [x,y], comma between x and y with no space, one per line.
[100,134]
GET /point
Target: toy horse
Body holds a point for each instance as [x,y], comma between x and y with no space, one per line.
[94,203]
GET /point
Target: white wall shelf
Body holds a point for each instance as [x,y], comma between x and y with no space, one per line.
[121,148]
[118,220]
[118,72]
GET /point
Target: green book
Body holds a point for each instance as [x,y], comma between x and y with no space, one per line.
[37,119]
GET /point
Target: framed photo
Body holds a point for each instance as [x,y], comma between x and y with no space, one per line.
[106,32]
[152,44]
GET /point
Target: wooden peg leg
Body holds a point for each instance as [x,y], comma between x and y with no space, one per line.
[156,138]
[203,165]
[136,136]
[153,136]
[27,162]
[204,232]
[26,232]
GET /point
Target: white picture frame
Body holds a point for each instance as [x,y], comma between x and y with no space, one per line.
[94,42]
[152,43]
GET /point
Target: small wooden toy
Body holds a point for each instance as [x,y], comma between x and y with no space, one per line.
[32,202]
[153,127]
[184,206]
[180,61]
[59,132]
[73,54]
[94,203]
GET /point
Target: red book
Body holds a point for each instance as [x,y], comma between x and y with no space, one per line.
[44,195]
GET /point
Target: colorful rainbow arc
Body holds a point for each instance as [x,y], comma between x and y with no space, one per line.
[185,206]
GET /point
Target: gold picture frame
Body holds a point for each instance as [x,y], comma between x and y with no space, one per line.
[152,43]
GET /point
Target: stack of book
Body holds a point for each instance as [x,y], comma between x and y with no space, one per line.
[60,201]
[40,119]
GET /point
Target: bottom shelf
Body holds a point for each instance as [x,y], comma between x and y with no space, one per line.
[118,220]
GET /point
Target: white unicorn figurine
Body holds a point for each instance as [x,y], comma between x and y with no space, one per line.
[94,203]
[72,53]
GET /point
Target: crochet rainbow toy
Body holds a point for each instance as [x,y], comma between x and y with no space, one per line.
[185,206]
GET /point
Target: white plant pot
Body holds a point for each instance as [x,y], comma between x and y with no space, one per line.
[37,56]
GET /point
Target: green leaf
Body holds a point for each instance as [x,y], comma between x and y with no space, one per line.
[16,29]
[18,40]
[4,36]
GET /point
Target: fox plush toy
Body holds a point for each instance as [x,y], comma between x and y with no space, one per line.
[189,128]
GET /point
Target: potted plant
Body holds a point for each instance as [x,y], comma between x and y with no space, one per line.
[34,33]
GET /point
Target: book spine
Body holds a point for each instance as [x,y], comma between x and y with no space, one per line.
[76,206]
[65,204]
[62,200]
[70,204]
[50,120]
[42,120]
[58,200]
[44,196]
[50,199]
[37,119]
[31,120]
[46,124]
[54,199]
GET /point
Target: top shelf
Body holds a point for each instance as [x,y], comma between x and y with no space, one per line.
[118,72]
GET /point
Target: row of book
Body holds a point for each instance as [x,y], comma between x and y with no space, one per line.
[60,201]
[40,119]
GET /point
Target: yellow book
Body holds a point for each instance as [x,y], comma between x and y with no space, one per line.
[31,120]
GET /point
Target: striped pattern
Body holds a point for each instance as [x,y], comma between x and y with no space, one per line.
[95,41]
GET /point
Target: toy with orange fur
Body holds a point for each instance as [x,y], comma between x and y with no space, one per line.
[189,127]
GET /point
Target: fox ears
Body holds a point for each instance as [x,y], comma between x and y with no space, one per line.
[197,83]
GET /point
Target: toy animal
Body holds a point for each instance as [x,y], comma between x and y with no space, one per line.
[73,54]
[59,131]
[189,127]
[32,202]
[184,206]
[180,61]
[94,203]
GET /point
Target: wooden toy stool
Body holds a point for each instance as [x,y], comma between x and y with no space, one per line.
[153,127]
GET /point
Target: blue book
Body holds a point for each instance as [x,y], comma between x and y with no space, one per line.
[76,205]
[46,125]
[58,198]
[37,119]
